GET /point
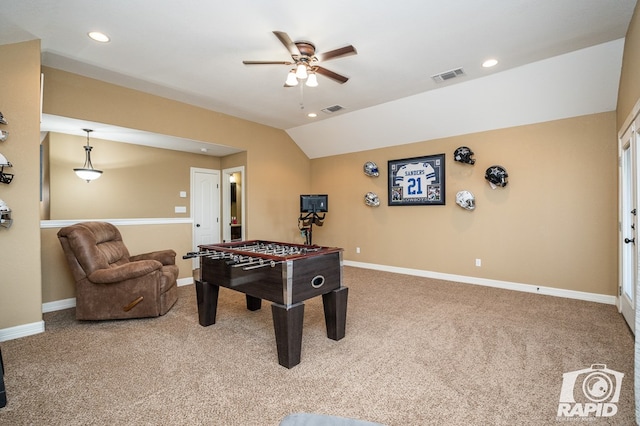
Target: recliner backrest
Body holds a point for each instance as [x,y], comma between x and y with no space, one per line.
[95,245]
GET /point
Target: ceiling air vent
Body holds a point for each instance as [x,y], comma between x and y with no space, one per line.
[448,75]
[332,109]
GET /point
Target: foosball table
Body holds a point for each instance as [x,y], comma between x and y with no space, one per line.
[282,273]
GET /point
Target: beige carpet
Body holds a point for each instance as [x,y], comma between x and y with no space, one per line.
[417,352]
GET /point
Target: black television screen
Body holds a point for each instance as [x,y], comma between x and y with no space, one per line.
[314,203]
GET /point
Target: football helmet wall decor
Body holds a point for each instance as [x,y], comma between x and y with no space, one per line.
[496,176]
[371,169]
[466,200]
[5,215]
[371,199]
[463,155]
[5,177]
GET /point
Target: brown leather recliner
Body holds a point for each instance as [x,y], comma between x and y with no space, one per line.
[111,284]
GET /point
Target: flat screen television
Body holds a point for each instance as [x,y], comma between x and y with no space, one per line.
[314,203]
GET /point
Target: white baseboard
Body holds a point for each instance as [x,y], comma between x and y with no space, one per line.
[59,305]
[527,288]
[184,281]
[23,330]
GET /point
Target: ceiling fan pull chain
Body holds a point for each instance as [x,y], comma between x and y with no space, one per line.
[301,96]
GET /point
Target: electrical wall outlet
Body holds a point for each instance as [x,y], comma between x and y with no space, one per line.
[357,249]
[478,262]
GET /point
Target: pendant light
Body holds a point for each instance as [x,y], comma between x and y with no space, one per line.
[87,172]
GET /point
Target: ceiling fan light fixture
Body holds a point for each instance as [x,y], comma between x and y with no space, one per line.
[301,71]
[292,80]
[312,80]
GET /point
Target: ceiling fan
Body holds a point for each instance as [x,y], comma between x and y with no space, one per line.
[306,61]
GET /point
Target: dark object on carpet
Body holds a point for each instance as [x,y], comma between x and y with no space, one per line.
[3,393]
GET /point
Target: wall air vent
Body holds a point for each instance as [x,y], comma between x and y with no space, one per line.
[332,109]
[448,75]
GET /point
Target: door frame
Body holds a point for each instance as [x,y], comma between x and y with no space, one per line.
[627,226]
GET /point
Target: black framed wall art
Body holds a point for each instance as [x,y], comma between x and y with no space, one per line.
[417,181]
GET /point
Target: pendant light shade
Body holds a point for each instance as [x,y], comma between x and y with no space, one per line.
[87,172]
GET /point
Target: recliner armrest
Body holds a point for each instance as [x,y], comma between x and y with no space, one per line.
[166,257]
[124,272]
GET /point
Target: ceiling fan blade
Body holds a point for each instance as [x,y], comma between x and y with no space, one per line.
[267,62]
[332,75]
[337,53]
[286,40]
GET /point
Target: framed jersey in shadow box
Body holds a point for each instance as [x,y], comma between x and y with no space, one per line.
[417,181]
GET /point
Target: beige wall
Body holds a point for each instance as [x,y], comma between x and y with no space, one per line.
[553,225]
[20,290]
[629,91]
[137,181]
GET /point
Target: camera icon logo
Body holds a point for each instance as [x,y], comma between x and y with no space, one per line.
[590,392]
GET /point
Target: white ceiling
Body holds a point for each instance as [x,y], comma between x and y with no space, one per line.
[557,59]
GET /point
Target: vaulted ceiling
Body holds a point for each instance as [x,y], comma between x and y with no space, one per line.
[556,59]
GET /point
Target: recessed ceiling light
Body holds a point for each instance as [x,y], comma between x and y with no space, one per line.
[312,115]
[490,63]
[98,36]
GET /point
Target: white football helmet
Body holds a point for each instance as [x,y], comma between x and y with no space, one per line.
[371,169]
[466,200]
[5,215]
[371,199]
[5,177]
[3,135]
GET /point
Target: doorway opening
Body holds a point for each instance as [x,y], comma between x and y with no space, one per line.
[234,218]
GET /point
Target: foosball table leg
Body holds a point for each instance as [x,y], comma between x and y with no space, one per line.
[335,312]
[287,323]
[207,296]
[253,303]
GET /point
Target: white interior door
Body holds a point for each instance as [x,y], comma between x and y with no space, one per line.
[628,227]
[205,208]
